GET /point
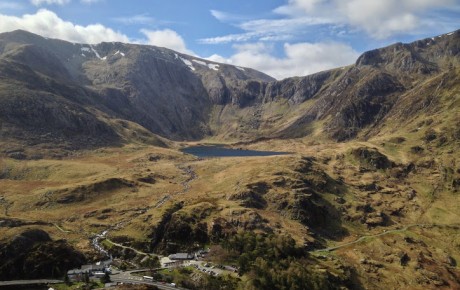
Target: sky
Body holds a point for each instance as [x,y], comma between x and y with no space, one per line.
[282,38]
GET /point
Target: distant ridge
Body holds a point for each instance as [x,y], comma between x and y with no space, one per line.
[53,91]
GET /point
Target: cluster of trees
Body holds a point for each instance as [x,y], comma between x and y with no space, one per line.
[249,246]
[275,262]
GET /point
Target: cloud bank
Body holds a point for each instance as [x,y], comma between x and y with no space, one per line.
[299,59]
[166,38]
[380,19]
[46,23]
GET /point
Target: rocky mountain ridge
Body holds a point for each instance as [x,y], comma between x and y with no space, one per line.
[74,91]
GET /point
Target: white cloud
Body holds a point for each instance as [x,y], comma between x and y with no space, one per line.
[227,17]
[300,59]
[268,30]
[242,37]
[135,19]
[221,16]
[378,18]
[49,2]
[90,1]
[166,38]
[48,24]
[307,5]
[382,19]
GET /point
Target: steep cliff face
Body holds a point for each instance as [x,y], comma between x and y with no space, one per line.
[55,88]
[168,93]
[352,101]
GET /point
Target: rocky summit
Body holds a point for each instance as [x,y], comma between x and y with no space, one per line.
[365,195]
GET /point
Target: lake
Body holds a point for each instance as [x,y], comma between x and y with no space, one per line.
[220,151]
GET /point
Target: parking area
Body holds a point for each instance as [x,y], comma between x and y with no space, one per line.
[212,269]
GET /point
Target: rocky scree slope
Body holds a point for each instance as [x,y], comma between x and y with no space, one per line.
[65,91]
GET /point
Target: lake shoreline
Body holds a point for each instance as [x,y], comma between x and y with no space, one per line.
[218,150]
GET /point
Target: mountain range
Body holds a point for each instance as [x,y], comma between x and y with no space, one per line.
[366,198]
[52,91]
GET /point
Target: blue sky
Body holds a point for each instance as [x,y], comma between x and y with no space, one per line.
[280,37]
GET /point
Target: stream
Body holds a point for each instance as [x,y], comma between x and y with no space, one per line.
[95,242]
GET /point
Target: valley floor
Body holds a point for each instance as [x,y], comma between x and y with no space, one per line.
[386,215]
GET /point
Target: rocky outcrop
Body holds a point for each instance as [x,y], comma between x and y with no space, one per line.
[85,192]
[33,254]
[73,92]
[371,158]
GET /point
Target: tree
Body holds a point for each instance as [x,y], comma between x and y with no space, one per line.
[67,279]
[152,262]
[106,278]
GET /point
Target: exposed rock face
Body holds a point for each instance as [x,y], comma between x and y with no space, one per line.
[33,254]
[55,91]
[371,158]
[67,91]
[252,196]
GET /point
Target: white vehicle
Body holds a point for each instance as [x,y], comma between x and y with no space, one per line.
[173,284]
[147,278]
[99,274]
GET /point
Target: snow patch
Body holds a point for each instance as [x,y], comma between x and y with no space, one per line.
[188,63]
[83,55]
[213,66]
[200,62]
[449,33]
[176,56]
[95,52]
[91,49]
[240,68]
[120,53]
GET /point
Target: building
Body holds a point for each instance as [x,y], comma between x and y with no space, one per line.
[166,262]
[90,270]
[182,256]
[76,275]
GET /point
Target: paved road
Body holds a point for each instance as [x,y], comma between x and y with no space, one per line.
[29,282]
[139,280]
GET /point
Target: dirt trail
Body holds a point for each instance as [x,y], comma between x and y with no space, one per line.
[386,232]
[186,187]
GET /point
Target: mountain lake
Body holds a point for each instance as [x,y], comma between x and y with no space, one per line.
[221,151]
